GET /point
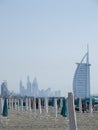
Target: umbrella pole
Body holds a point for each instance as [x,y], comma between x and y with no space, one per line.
[72,114]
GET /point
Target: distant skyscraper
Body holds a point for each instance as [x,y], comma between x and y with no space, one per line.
[4,90]
[22,89]
[35,90]
[28,87]
[81,81]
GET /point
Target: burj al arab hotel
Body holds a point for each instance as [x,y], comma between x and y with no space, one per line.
[81,80]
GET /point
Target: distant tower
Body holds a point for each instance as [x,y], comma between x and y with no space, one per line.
[22,89]
[28,86]
[4,89]
[35,90]
[81,80]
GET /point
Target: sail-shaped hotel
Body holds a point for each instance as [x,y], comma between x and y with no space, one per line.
[81,80]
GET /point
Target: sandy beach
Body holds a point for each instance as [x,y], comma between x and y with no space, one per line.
[25,120]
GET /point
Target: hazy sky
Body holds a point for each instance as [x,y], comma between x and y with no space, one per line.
[44,39]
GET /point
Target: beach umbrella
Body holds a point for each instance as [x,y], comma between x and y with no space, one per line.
[86,102]
[90,105]
[1,104]
[61,102]
[52,102]
[22,104]
[26,103]
[39,105]
[5,108]
[80,105]
[55,107]
[46,105]
[64,108]
[34,104]
[29,104]
[77,102]
[12,104]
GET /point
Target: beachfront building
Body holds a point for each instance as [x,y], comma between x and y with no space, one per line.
[81,80]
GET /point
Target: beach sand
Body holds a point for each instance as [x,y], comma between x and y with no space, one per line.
[18,120]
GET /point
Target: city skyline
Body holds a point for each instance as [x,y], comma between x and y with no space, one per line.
[32,89]
[45,39]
